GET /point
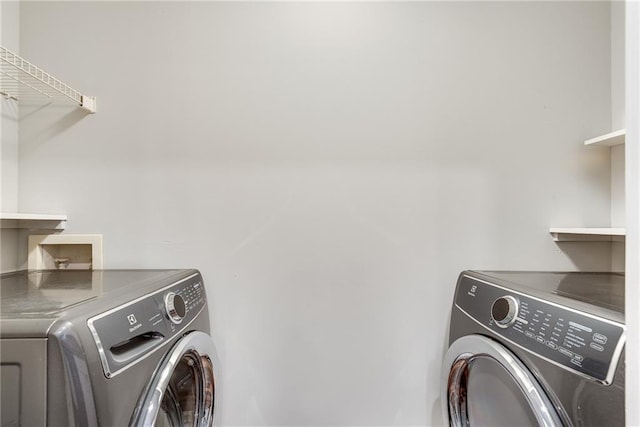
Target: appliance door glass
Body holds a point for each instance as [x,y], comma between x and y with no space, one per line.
[182,390]
[484,384]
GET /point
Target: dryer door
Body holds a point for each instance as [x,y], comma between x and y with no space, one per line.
[182,390]
[484,384]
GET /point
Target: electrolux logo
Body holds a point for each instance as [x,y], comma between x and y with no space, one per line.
[132,319]
[473,290]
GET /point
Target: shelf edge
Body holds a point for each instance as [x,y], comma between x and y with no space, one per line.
[585,234]
[33,221]
[608,140]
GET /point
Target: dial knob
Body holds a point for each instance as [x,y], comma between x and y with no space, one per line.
[175,307]
[504,311]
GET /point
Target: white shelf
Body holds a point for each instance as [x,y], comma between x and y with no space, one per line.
[608,140]
[581,234]
[594,234]
[21,80]
[33,221]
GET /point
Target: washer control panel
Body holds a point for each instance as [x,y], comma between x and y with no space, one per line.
[126,333]
[575,340]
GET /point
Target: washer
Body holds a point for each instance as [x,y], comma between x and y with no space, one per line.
[106,348]
[535,348]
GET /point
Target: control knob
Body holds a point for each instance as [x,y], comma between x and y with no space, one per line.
[175,307]
[504,311]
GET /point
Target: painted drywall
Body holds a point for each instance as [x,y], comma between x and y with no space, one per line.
[617,122]
[617,64]
[9,38]
[330,168]
[632,273]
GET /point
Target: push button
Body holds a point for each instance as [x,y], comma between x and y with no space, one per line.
[600,339]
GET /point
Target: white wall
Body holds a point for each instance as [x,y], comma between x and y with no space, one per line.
[632,147]
[617,122]
[9,38]
[330,168]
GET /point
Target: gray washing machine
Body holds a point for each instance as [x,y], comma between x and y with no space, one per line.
[535,348]
[106,348]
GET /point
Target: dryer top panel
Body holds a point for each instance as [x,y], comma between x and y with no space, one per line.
[604,290]
[570,333]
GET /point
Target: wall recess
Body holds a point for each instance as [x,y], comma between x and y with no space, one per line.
[71,251]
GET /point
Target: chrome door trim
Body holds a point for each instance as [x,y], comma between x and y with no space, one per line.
[199,345]
[462,353]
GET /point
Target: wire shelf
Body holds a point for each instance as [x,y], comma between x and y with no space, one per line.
[20,80]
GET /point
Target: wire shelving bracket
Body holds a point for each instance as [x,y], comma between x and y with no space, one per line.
[20,79]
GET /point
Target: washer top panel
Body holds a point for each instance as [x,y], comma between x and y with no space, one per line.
[30,301]
[46,292]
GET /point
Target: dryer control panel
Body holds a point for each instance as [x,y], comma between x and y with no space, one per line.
[573,339]
[129,332]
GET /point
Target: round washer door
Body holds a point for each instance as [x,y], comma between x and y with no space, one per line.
[182,390]
[484,384]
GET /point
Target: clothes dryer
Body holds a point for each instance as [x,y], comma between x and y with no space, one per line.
[106,348]
[535,348]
